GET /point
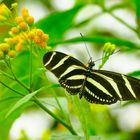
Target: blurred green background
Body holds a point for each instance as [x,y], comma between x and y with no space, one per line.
[100,21]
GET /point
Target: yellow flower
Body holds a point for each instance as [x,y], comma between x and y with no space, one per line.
[18,47]
[30,20]
[14,30]
[43,44]
[23,25]
[12,53]
[37,39]
[39,32]
[21,33]
[4,47]
[31,35]
[19,19]
[45,37]
[25,13]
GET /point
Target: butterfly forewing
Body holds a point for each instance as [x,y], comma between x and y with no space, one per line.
[67,69]
[97,86]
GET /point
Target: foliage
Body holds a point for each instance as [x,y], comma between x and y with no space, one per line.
[22,76]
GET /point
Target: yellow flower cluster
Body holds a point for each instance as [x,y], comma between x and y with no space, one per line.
[38,37]
[21,33]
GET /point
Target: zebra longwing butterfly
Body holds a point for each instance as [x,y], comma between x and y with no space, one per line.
[96,86]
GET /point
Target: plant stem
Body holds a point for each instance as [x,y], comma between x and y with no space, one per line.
[123,22]
[30,75]
[54,116]
[11,89]
[6,75]
[15,78]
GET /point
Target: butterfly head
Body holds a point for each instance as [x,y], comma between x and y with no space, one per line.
[90,64]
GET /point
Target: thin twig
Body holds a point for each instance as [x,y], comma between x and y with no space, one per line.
[30,75]
[15,78]
[123,22]
[11,89]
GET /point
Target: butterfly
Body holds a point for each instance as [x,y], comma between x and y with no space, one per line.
[96,86]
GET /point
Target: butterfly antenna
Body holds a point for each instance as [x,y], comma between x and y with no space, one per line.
[86,46]
[110,55]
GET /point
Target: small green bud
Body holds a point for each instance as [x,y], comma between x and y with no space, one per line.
[109,48]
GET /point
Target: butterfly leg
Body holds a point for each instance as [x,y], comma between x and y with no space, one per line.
[82,89]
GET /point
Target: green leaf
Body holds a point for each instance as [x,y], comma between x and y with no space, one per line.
[27,98]
[22,101]
[56,24]
[134,73]
[100,40]
[117,136]
[72,137]
[82,109]
[55,86]
[137,4]
[5,124]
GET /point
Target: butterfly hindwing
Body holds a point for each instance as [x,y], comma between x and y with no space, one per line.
[126,87]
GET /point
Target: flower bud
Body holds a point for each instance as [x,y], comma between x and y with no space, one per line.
[23,25]
[4,47]
[39,32]
[18,47]
[45,37]
[30,20]
[43,44]
[31,35]
[37,40]
[12,53]
[19,19]
[25,13]
[14,5]
[109,48]
[14,30]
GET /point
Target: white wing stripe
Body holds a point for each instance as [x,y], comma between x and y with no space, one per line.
[69,69]
[60,62]
[111,81]
[128,85]
[54,53]
[98,85]
[76,77]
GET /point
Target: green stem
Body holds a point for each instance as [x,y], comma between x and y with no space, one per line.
[30,75]
[123,22]
[60,107]
[6,75]
[11,89]
[54,116]
[15,78]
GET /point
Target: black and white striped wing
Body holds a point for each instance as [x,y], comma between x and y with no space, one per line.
[98,90]
[101,87]
[67,69]
[106,87]
[120,86]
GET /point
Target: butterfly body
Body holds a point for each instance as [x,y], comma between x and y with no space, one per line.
[96,86]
